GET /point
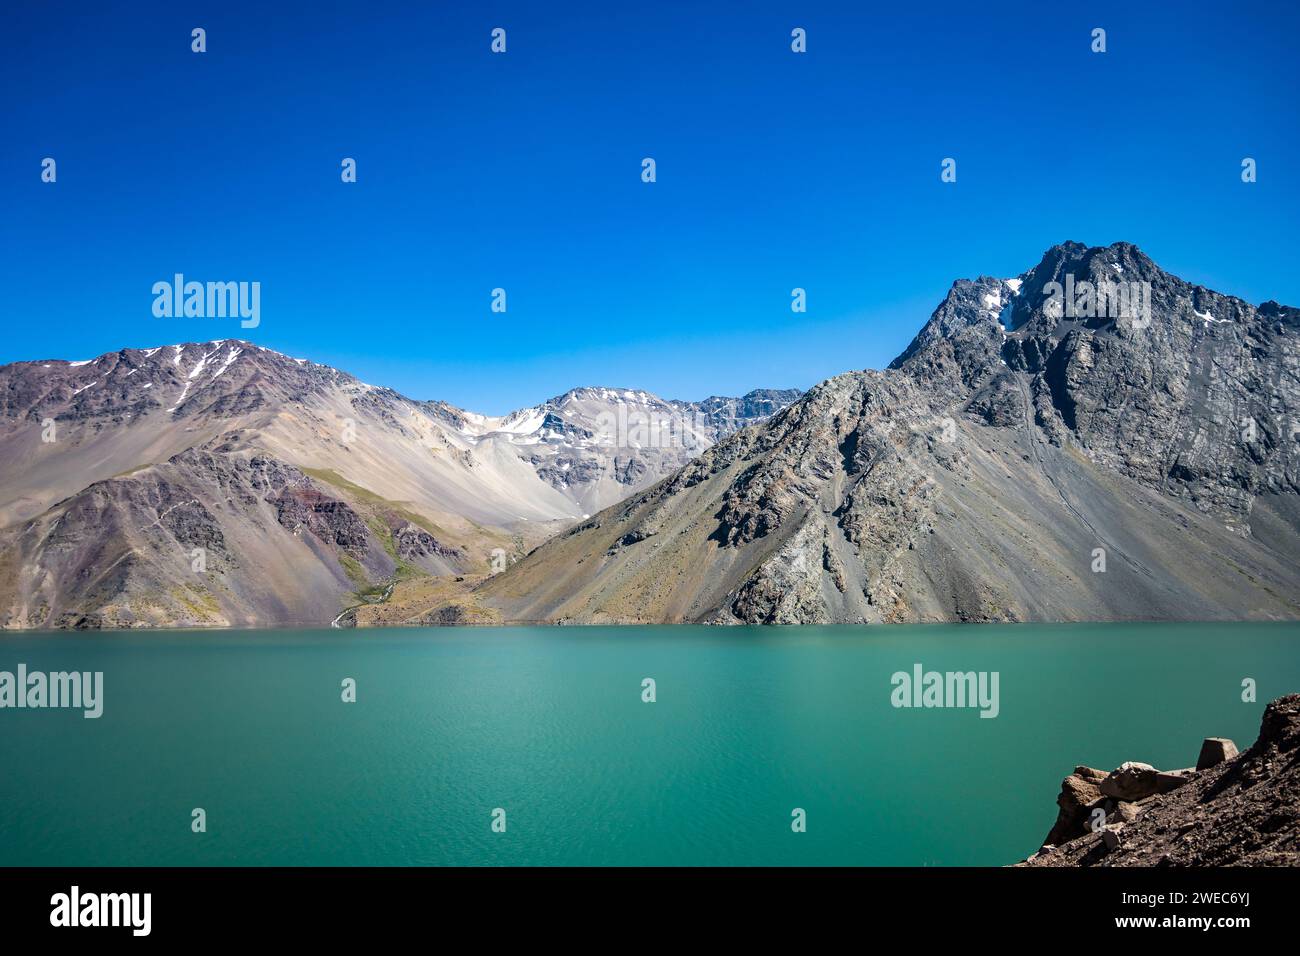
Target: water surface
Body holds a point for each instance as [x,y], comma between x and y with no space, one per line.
[549,724]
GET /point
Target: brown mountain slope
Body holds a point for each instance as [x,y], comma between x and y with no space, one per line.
[213,536]
[308,491]
[298,481]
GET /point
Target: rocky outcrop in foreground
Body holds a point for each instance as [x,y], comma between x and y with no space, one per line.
[1230,810]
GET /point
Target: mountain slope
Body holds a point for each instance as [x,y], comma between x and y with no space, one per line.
[294,489]
[987,475]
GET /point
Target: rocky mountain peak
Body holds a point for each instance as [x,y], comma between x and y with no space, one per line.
[1153,375]
[220,377]
[1033,424]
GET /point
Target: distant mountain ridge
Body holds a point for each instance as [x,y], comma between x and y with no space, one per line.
[226,483]
[1026,457]
[597,444]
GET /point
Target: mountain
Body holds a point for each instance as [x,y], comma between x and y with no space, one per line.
[1095,439]
[596,445]
[223,483]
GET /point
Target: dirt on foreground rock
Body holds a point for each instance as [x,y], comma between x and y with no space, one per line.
[1244,811]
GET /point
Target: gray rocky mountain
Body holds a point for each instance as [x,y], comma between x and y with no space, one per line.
[718,416]
[1095,439]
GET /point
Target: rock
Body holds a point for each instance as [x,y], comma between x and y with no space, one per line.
[412,543]
[1078,791]
[1242,812]
[1131,781]
[1110,836]
[1124,811]
[1214,751]
[1116,811]
[1169,780]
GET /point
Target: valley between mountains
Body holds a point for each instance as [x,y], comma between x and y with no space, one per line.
[1017,462]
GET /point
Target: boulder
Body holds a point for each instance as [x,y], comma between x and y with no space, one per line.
[1214,751]
[1131,781]
[1078,791]
[1110,835]
[1168,780]
[1116,811]
[1124,812]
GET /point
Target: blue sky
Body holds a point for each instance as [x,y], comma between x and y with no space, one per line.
[522,171]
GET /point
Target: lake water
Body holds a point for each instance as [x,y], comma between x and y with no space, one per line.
[549,724]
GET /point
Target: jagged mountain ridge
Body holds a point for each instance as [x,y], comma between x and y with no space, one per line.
[305,488]
[983,476]
[597,444]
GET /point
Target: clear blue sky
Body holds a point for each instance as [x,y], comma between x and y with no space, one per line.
[522,170]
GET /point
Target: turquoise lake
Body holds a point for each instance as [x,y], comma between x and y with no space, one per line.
[549,724]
